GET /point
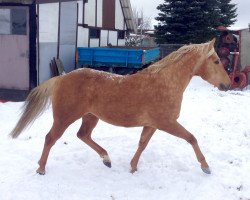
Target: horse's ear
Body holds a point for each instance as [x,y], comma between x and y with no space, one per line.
[212,42]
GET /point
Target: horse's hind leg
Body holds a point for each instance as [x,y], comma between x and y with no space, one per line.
[89,122]
[146,135]
[177,130]
[54,134]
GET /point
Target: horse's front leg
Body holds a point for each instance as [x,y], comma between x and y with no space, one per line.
[146,135]
[89,121]
[178,130]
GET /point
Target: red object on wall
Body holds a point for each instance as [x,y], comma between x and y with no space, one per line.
[238,80]
[223,52]
[225,61]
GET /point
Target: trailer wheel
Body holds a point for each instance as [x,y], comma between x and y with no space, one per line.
[238,79]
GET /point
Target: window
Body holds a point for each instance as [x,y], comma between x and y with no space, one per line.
[121,34]
[94,33]
[5,21]
[13,21]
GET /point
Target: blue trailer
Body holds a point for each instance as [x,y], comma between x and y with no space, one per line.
[116,60]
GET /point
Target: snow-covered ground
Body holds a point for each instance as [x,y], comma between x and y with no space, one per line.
[167,169]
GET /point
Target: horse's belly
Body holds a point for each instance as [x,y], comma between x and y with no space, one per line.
[122,119]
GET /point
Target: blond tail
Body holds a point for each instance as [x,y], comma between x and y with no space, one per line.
[34,106]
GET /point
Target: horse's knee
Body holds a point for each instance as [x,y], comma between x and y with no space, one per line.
[191,139]
[82,135]
[51,139]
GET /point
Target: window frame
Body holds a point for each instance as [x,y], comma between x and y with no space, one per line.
[94,33]
[13,31]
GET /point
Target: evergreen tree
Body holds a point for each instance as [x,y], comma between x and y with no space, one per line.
[188,21]
[228,13]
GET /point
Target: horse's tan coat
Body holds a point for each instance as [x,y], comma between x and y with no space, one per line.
[150,98]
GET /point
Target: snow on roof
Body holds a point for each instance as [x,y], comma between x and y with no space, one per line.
[233,28]
[151,32]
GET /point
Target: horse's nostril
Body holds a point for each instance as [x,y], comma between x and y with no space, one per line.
[224,87]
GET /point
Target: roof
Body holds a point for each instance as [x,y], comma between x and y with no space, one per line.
[125,4]
[223,28]
[128,15]
[51,1]
[17,1]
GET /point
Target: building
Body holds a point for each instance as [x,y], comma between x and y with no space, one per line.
[32,33]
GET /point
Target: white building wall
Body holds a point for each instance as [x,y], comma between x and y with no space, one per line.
[94,43]
[99,12]
[83,37]
[245,48]
[113,38]
[68,30]
[80,11]
[48,23]
[48,38]
[119,18]
[104,38]
[90,13]
[121,42]
[5,27]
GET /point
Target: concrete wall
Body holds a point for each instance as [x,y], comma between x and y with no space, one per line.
[68,28]
[48,38]
[245,48]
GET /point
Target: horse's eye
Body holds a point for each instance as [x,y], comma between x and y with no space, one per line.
[217,62]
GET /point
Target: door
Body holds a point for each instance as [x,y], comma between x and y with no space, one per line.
[14,48]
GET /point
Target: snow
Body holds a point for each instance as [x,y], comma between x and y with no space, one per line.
[167,169]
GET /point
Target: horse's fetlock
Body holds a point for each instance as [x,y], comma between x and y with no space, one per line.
[79,134]
[192,140]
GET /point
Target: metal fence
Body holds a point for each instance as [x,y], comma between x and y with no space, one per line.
[166,49]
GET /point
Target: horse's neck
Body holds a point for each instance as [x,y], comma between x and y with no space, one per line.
[181,72]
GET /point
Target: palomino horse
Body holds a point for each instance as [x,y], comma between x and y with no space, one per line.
[150,98]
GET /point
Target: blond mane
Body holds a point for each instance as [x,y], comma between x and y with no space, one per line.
[175,57]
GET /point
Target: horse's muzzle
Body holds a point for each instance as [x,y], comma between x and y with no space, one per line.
[224,87]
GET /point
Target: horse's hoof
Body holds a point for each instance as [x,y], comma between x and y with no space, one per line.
[206,170]
[133,170]
[106,161]
[40,172]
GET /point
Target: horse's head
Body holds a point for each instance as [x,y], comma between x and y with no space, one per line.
[212,69]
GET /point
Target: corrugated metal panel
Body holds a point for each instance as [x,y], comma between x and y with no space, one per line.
[128,15]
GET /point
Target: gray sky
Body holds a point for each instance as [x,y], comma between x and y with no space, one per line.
[149,9]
